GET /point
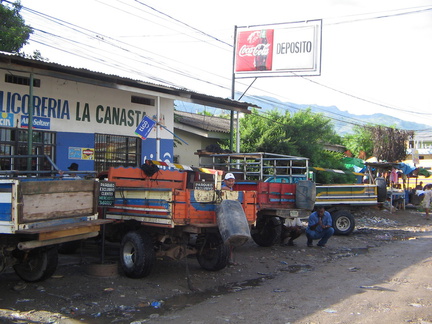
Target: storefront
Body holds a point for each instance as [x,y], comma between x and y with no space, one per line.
[86,117]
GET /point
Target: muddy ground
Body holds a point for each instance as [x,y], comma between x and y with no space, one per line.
[381,272]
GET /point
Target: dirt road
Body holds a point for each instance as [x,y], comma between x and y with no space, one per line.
[382,272]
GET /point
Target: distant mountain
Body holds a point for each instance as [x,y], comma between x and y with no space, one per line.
[343,121]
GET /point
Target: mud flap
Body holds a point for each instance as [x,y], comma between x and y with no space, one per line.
[232,223]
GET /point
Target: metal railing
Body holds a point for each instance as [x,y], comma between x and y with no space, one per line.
[257,166]
[48,169]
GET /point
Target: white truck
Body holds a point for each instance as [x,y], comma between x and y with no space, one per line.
[37,213]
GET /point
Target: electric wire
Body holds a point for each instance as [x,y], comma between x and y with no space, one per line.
[91,35]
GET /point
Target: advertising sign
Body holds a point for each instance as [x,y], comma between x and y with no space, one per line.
[7,119]
[38,122]
[254,50]
[292,49]
[106,195]
[145,126]
[80,153]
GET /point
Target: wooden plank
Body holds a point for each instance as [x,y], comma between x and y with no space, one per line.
[65,227]
[68,232]
[135,177]
[55,205]
[55,186]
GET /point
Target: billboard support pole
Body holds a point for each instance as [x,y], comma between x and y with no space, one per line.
[231,146]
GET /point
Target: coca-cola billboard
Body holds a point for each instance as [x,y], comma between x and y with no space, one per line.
[290,49]
[254,50]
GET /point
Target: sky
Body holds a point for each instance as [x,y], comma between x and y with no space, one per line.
[376,54]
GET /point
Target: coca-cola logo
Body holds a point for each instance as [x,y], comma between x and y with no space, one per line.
[258,50]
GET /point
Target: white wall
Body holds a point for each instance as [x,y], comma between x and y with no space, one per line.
[80,107]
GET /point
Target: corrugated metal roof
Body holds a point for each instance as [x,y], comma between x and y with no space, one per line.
[207,123]
[83,75]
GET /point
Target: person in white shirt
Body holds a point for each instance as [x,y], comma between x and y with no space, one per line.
[427,199]
[291,229]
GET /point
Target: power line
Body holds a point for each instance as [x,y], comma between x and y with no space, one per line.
[161,65]
[183,23]
[363,99]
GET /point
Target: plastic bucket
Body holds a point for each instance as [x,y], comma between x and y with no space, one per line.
[232,223]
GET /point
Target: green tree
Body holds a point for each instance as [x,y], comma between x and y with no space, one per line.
[14,33]
[301,134]
[333,160]
[259,133]
[360,141]
[309,132]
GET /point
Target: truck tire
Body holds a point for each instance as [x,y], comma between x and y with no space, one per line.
[137,255]
[213,254]
[37,265]
[381,189]
[343,222]
[267,231]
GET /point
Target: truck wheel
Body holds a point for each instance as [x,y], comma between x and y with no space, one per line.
[213,254]
[137,254]
[37,264]
[381,189]
[267,231]
[343,222]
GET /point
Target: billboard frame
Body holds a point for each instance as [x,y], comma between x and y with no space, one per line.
[253,42]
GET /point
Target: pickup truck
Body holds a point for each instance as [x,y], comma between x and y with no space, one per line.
[175,212]
[341,200]
[291,196]
[284,191]
[39,212]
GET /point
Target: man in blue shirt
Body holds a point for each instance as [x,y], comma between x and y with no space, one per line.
[319,227]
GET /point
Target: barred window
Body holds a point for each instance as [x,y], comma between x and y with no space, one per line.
[14,141]
[115,151]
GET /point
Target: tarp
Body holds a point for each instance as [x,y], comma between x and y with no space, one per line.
[405,168]
[424,172]
[352,161]
[355,164]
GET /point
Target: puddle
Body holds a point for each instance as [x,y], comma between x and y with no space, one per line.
[174,303]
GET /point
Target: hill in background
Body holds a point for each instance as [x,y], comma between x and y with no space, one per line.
[343,121]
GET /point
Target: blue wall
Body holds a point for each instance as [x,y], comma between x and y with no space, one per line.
[80,140]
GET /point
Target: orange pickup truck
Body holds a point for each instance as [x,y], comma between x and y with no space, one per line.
[175,213]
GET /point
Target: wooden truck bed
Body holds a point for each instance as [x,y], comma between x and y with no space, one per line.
[50,211]
[163,200]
